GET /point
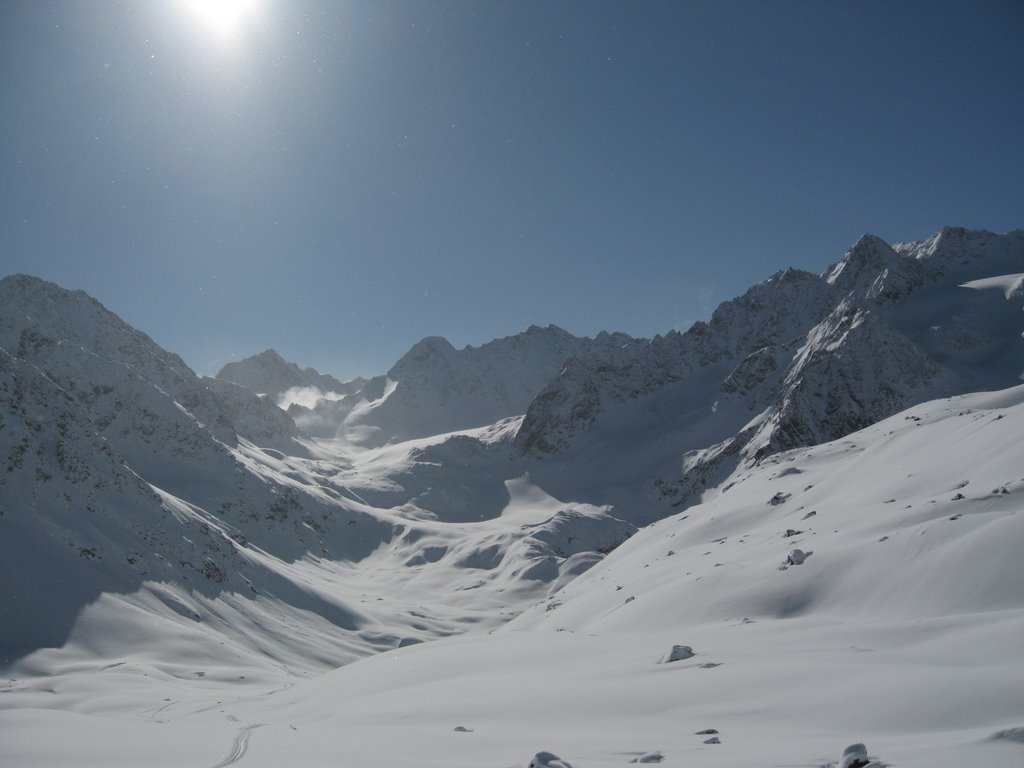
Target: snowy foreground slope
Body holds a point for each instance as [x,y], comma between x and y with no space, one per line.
[900,629]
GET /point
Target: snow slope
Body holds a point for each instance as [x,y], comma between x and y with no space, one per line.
[900,629]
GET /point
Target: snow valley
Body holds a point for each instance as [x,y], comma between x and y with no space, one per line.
[787,531]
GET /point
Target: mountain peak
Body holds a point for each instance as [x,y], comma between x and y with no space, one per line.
[428,352]
[270,355]
[270,374]
[866,257]
[547,330]
[431,345]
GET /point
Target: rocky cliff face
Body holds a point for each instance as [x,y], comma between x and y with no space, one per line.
[799,359]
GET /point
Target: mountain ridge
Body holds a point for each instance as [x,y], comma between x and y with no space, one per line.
[194,514]
[790,340]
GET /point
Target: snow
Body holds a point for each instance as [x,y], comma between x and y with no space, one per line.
[868,645]
[191,576]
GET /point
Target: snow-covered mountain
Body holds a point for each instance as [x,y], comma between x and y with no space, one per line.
[435,389]
[124,469]
[283,382]
[179,554]
[131,481]
[441,389]
[797,360]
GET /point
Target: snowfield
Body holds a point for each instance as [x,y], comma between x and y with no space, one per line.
[901,631]
[790,536]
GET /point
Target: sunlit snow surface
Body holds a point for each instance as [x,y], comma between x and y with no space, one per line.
[901,629]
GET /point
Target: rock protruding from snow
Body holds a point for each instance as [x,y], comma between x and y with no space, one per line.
[1010,734]
[797,557]
[648,757]
[677,653]
[854,756]
[548,760]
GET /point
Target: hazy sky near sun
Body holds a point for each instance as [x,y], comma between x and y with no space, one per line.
[338,178]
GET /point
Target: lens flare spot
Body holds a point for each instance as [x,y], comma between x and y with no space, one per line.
[222,16]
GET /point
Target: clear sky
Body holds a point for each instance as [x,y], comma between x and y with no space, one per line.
[338,178]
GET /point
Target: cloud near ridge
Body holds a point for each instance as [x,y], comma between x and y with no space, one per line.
[307,397]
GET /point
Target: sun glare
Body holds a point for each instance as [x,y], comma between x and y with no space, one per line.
[222,16]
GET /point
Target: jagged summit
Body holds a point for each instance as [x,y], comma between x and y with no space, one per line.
[267,357]
[427,352]
[270,374]
[435,388]
[865,260]
[438,348]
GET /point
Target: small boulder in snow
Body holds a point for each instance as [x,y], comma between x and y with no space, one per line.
[854,756]
[548,760]
[678,653]
[713,740]
[649,757]
[797,557]
[1010,734]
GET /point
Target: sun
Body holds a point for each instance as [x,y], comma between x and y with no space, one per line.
[222,16]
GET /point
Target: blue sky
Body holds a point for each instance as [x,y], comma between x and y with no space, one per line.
[338,178]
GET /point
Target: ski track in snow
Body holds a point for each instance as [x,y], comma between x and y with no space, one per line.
[239,748]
